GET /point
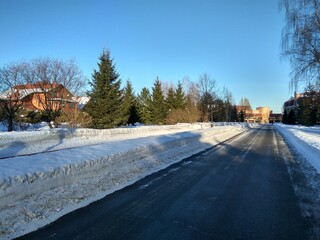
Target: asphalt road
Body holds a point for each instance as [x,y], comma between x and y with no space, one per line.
[238,190]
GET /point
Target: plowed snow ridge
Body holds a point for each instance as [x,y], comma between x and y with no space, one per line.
[37,189]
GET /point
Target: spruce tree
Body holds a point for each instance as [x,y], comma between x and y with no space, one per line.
[285,117]
[158,106]
[180,98]
[105,101]
[144,106]
[234,114]
[171,100]
[242,116]
[305,113]
[218,109]
[130,113]
[292,117]
[309,105]
[205,106]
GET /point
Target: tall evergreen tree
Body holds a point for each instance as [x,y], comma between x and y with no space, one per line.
[285,117]
[205,106]
[180,98]
[305,112]
[292,117]
[234,114]
[171,100]
[144,106]
[130,112]
[312,101]
[176,98]
[218,111]
[105,101]
[242,116]
[158,106]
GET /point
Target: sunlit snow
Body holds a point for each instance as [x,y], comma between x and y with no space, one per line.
[47,173]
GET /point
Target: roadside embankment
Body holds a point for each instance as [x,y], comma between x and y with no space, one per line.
[304,140]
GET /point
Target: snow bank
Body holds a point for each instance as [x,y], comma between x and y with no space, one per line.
[29,142]
[305,140]
[37,189]
[47,134]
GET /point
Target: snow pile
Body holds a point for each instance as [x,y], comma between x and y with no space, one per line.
[47,134]
[28,142]
[39,188]
[305,140]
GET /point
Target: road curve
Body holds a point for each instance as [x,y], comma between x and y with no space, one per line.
[238,190]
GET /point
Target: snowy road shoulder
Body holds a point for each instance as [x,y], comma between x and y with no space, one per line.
[305,140]
[35,190]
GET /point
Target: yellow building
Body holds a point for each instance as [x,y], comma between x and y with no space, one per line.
[260,115]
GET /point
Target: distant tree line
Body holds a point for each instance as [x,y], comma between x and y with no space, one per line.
[110,105]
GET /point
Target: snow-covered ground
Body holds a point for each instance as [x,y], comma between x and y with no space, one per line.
[305,140]
[46,174]
[29,142]
[304,169]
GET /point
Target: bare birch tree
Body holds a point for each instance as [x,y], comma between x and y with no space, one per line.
[10,76]
[54,82]
[57,81]
[301,40]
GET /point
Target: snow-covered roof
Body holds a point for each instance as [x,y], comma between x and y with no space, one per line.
[21,93]
[25,92]
[6,94]
[82,101]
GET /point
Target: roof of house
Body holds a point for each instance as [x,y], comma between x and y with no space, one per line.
[82,101]
[22,91]
[38,85]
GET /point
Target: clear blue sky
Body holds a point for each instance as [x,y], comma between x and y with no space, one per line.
[235,42]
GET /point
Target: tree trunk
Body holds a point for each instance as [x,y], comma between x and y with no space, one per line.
[10,124]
